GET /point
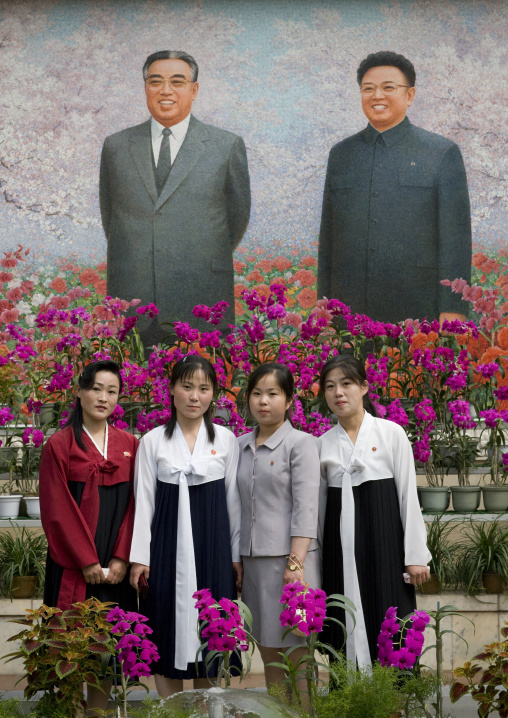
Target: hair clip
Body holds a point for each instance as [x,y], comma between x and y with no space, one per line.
[184,358]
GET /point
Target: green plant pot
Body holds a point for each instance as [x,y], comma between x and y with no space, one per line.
[495,499]
[466,499]
[434,499]
[492,583]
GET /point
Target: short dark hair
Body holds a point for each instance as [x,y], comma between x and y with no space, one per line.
[172,55]
[86,380]
[392,59]
[354,370]
[283,376]
[184,369]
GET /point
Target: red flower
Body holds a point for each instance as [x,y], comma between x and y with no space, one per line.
[9,315]
[238,266]
[88,276]
[254,276]
[264,264]
[307,298]
[58,285]
[282,264]
[6,276]
[308,262]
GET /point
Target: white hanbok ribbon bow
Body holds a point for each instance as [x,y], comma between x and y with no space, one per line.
[186,638]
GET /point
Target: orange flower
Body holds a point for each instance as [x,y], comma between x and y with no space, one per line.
[239,288]
[290,302]
[60,302]
[305,277]
[264,264]
[308,262]
[102,266]
[254,276]
[238,266]
[307,298]
[88,276]
[492,354]
[263,290]
[58,285]
[239,308]
[282,264]
[502,338]
[101,287]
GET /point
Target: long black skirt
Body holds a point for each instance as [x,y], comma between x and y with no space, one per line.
[214,565]
[379,556]
[113,503]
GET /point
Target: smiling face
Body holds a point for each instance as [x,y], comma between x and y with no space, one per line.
[344,396]
[268,403]
[166,105]
[192,395]
[385,111]
[99,402]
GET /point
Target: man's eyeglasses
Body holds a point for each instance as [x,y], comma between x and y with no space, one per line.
[175,83]
[387,88]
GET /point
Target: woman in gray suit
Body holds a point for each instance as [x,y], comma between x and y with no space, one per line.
[278,479]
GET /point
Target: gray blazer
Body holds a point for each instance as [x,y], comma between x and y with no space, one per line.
[396,220]
[279,491]
[176,249]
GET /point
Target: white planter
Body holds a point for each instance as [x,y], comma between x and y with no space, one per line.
[33,508]
[9,506]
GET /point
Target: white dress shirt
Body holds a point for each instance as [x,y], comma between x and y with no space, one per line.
[176,137]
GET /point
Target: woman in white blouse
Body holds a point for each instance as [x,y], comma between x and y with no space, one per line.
[372,528]
[187,524]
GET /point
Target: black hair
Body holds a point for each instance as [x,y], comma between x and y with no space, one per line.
[86,380]
[172,55]
[283,376]
[354,370]
[392,59]
[185,368]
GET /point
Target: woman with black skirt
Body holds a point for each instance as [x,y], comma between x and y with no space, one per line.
[87,504]
[187,525]
[372,527]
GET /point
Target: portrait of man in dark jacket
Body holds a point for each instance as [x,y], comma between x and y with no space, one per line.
[396,214]
[175,201]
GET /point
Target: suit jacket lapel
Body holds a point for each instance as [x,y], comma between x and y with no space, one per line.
[140,148]
[192,148]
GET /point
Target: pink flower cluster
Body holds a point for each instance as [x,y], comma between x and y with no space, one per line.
[304,608]
[224,629]
[425,417]
[392,652]
[135,651]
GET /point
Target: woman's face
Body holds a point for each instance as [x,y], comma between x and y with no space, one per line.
[192,395]
[268,403]
[99,402]
[344,396]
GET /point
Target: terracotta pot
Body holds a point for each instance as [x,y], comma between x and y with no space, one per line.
[492,583]
[24,586]
[432,586]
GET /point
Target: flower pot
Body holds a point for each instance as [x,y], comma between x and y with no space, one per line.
[492,583]
[495,499]
[431,587]
[33,508]
[24,586]
[434,499]
[466,499]
[9,506]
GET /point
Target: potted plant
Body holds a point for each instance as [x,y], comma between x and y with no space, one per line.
[483,557]
[495,493]
[487,685]
[443,563]
[22,562]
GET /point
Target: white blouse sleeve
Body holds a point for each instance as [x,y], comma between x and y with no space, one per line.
[233,494]
[415,535]
[145,480]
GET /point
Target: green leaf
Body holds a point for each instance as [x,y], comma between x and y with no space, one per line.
[65,668]
[98,648]
[457,690]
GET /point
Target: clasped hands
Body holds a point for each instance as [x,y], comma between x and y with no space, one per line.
[117,570]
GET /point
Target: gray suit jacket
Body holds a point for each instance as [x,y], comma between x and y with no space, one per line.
[176,249]
[396,220]
[279,490]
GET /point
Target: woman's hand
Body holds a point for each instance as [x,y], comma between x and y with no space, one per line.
[93,573]
[136,570]
[117,570]
[238,570]
[418,574]
[292,576]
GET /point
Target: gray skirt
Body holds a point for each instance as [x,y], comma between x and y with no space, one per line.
[261,590]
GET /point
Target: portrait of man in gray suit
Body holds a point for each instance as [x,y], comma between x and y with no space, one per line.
[175,201]
[396,215]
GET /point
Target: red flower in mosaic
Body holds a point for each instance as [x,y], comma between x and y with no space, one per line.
[102,266]
[9,315]
[239,288]
[293,319]
[14,294]
[60,302]
[239,309]
[264,264]
[307,298]
[88,276]
[263,290]
[100,287]
[308,262]
[8,262]
[305,277]
[6,276]
[238,266]
[502,338]
[58,285]
[282,264]
[254,276]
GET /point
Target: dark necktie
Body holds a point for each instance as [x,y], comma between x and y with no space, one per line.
[164,162]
